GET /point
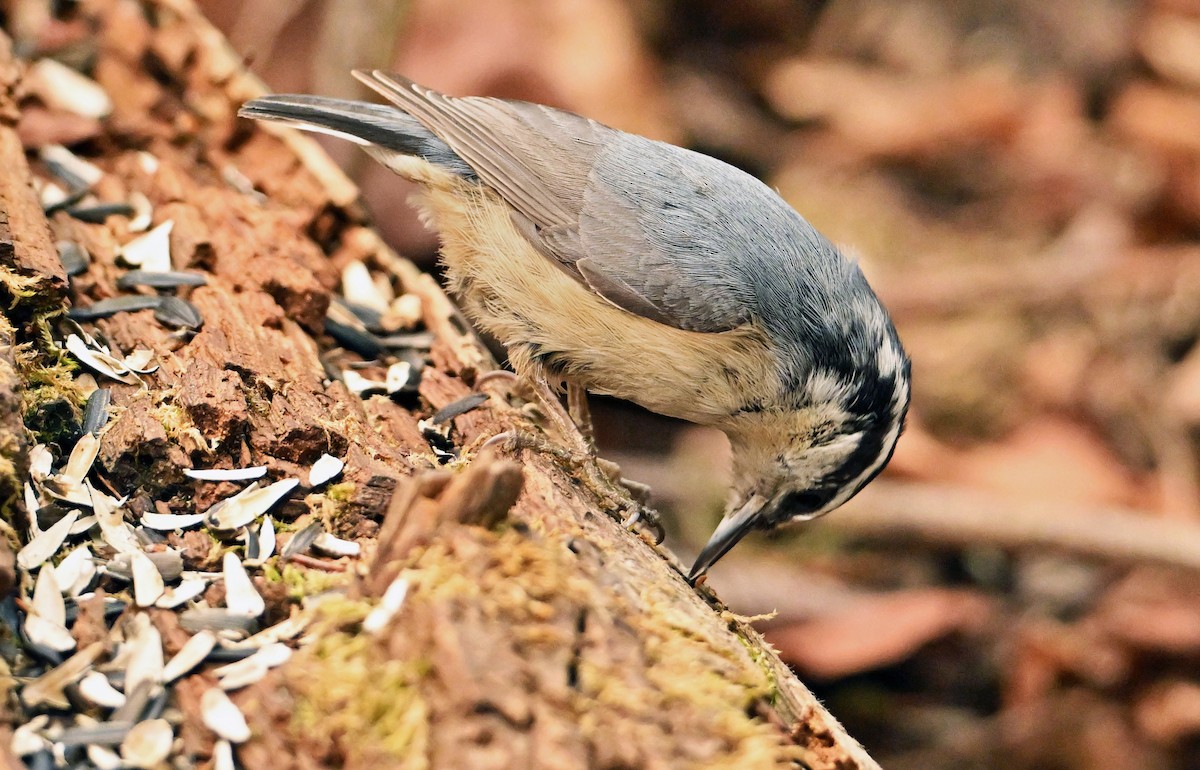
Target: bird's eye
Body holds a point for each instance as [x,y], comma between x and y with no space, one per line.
[805,501]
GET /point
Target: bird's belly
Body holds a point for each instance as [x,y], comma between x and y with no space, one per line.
[549,321]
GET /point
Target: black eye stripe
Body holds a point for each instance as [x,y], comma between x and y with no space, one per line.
[803,501]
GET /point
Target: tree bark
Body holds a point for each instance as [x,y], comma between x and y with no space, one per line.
[537,632]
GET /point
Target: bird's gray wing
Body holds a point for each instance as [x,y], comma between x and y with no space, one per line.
[652,228]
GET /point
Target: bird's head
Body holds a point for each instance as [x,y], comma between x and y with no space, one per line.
[798,461]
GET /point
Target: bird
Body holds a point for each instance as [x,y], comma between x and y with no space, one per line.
[634,268]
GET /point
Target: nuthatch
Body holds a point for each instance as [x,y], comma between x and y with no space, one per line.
[651,273]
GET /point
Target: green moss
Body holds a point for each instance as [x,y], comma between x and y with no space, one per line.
[354,699]
[363,704]
[342,493]
[173,418]
[51,401]
[527,584]
[759,655]
[305,582]
[18,287]
[659,679]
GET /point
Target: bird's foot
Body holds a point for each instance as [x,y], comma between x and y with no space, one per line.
[621,498]
[647,516]
[636,490]
[576,436]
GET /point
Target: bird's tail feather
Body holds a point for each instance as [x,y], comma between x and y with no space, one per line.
[363,123]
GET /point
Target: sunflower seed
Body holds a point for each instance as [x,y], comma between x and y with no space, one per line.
[114,530]
[148,163]
[361,386]
[241,183]
[231,474]
[109,733]
[32,507]
[47,599]
[247,671]
[167,562]
[149,538]
[413,341]
[240,594]
[282,631]
[336,546]
[103,758]
[48,688]
[229,654]
[139,360]
[151,251]
[53,197]
[98,214]
[75,572]
[148,583]
[191,654]
[169,522]
[128,303]
[389,604]
[46,544]
[96,688]
[148,744]
[63,88]
[73,256]
[99,361]
[136,697]
[184,592]
[178,314]
[404,312]
[95,413]
[74,494]
[399,377]
[353,339]
[47,516]
[324,469]
[223,756]
[144,664]
[302,540]
[41,462]
[459,407]
[223,717]
[264,543]
[157,705]
[143,213]
[246,506]
[83,456]
[250,538]
[27,738]
[83,524]
[217,619]
[73,170]
[359,288]
[167,280]
[355,315]
[46,623]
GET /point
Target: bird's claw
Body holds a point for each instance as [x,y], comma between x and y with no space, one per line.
[640,514]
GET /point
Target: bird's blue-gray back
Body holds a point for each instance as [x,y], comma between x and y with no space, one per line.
[663,232]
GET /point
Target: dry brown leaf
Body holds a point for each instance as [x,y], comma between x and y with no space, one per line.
[1154,610]
[873,631]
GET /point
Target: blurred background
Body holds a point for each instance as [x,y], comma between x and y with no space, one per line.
[1021,181]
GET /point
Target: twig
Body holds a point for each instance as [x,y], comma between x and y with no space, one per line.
[960,517]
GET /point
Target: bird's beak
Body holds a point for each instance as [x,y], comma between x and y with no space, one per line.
[732,528]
